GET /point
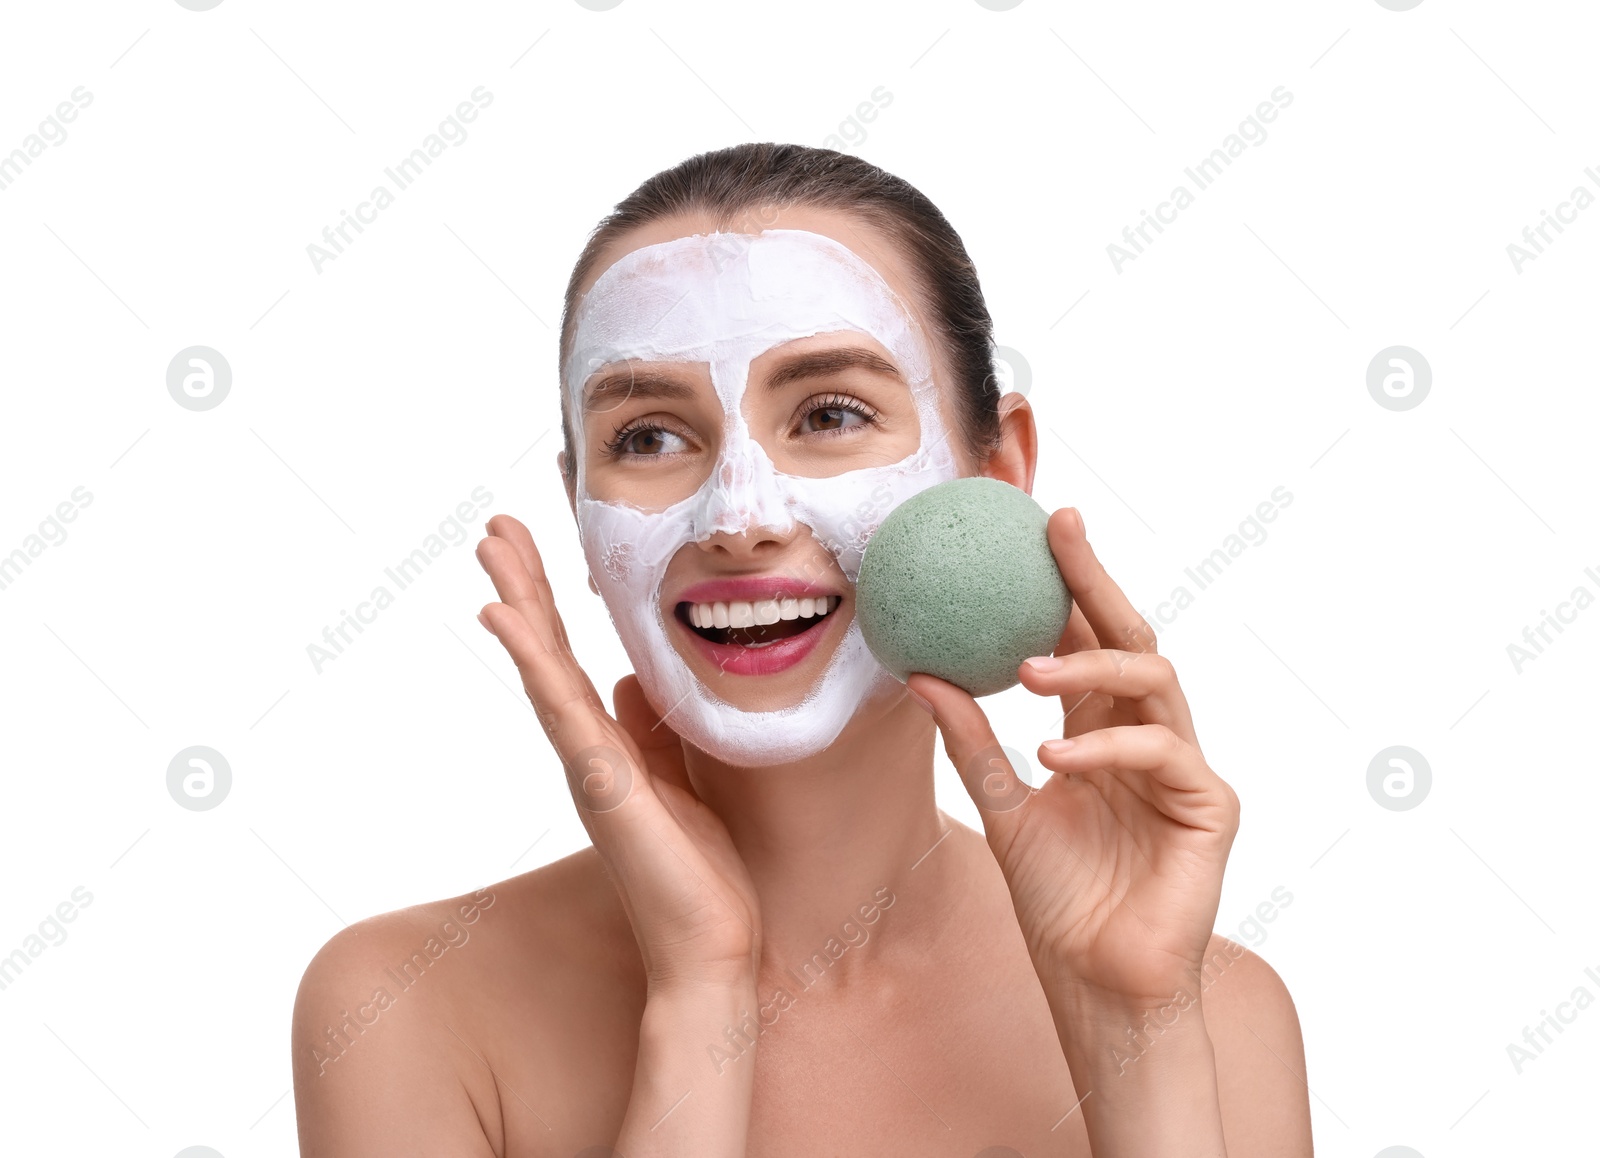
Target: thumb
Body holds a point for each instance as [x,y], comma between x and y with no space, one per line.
[970,745]
[638,718]
[658,743]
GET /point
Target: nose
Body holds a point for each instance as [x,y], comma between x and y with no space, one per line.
[750,547]
[742,505]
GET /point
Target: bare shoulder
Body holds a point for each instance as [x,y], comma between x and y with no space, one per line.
[1261,1060]
[408,1025]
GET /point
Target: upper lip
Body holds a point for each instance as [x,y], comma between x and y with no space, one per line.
[752,589]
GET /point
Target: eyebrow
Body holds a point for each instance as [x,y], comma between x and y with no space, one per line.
[822,363]
[618,386]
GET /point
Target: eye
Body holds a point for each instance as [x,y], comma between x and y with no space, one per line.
[835,414]
[642,440]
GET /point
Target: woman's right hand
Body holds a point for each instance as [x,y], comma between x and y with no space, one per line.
[683,885]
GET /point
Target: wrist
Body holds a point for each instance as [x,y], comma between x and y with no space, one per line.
[700,988]
[1090,1006]
[1112,1034]
[690,1040]
[1179,987]
[696,1008]
[1151,1069]
[1129,1042]
[1144,1063]
[708,1023]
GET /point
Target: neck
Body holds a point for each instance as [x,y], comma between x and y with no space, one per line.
[828,834]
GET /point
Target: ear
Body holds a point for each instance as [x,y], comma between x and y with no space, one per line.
[1018,452]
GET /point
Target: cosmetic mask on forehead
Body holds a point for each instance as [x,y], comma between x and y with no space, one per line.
[724,299]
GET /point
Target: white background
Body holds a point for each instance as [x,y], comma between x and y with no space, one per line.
[372,397]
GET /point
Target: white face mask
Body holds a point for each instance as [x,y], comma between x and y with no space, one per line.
[724,299]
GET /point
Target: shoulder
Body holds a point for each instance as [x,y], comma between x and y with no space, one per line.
[539,916]
[362,970]
[401,1019]
[1261,1062]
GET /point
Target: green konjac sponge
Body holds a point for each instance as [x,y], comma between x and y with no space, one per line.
[959,582]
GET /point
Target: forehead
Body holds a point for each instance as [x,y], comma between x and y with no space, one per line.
[726,297]
[866,242]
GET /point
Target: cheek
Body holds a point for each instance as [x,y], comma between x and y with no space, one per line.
[845,511]
[628,551]
[649,486]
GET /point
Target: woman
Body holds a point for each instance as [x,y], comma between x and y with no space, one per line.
[778,944]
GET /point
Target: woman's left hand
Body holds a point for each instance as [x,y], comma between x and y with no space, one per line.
[1115,863]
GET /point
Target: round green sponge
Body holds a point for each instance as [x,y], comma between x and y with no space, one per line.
[959,582]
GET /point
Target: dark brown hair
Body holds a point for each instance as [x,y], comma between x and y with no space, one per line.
[744,181]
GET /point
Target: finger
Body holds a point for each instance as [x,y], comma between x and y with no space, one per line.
[521,539]
[1077,635]
[1147,680]
[601,765]
[516,587]
[1085,710]
[970,744]
[1107,610]
[602,762]
[561,694]
[534,602]
[1157,764]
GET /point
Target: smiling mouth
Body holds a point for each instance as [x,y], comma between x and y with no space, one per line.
[755,624]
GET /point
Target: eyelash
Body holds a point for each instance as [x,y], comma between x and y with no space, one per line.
[614,445]
[841,402]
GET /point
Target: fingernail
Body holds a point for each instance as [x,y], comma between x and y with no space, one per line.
[1044,663]
[926,706]
[1057,747]
[485,623]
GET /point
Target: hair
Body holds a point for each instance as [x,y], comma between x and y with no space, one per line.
[735,183]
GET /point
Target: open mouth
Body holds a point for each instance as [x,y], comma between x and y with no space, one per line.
[756,624]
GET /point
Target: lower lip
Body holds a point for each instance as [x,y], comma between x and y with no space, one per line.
[775,657]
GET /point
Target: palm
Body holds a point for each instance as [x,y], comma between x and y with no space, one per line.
[686,891]
[1114,891]
[704,891]
[1115,863]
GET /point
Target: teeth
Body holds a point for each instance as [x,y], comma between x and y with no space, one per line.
[739,613]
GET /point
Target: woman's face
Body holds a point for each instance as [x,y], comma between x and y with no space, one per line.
[747,407]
